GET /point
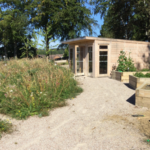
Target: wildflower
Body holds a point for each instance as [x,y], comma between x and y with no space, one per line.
[40,92]
[11,91]
[31,94]
[57,84]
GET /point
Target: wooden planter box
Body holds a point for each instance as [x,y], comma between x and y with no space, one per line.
[136,82]
[121,76]
[142,96]
[113,74]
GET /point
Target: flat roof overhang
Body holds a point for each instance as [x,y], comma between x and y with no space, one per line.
[86,38]
[78,40]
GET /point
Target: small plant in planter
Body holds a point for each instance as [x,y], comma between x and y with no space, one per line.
[145,69]
[125,64]
[141,75]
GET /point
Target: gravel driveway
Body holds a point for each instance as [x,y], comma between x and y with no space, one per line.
[97,119]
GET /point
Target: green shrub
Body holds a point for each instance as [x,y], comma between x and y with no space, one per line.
[30,87]
[145,69]
[125,64]
[147,75]
[66,52]
[5,126]
[141,75]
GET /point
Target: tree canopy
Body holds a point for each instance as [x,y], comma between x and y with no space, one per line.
[125,19]
[58,19]
[67,19]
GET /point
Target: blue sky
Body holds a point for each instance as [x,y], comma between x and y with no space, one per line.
[97,29]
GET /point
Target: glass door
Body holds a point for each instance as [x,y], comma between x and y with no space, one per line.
[103,57]
[71,60]
[79,60]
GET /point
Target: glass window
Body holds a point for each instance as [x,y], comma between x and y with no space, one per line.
[79,60]
[71,60]
[103,62]
[103,47]
[90,59]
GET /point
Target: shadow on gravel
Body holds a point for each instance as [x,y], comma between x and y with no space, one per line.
[127,84]
[131,99]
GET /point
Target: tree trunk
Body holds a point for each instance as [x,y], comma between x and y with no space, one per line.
[5,50]
[148,35]
[47,45]
[35,53]
[148,32]
[27,54]
[15,50]
[47,41]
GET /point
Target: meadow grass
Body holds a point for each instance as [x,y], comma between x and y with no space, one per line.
[5,127]
[31,87]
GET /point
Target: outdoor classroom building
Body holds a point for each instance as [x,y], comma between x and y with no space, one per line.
[96,57]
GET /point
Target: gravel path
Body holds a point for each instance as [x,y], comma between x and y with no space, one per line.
[97,119]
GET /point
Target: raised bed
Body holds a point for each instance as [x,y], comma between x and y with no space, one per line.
[136,82]
[123,76]
[142,95]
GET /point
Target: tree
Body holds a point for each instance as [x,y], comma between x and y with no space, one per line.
[18,13]
[18,26]
[66,52]
[63,19]
[27,46]
[44,42]
[5,29]
[125,19]
[58,19]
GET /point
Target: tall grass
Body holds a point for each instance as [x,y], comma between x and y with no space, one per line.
[31,87]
